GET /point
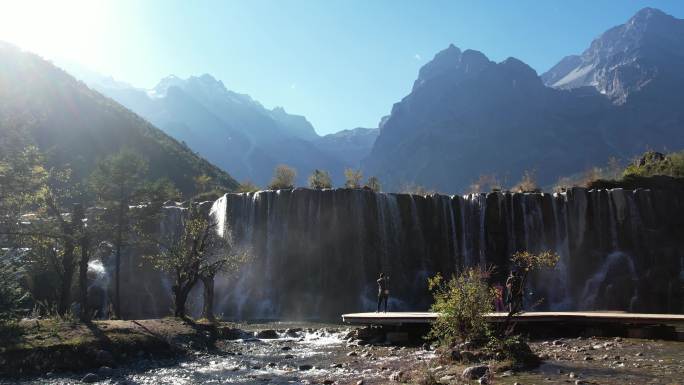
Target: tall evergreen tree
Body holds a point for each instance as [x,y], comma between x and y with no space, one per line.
[117,182]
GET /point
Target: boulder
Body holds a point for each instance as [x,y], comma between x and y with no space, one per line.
[268,334]
[305,367]
[475,372]
[397,376]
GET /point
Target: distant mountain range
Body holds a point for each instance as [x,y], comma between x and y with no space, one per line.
[467,116]
[75,126]
[234,131]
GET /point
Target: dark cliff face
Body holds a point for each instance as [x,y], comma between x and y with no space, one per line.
[479,118]
[467,116]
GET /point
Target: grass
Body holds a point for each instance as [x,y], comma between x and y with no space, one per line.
[38,346]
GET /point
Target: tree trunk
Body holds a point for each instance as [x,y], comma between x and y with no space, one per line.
[208,308]
[67,277]
[117,261]
[180,297]
[68,262]
[83,276]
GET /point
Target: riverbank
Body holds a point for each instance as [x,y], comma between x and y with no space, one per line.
[53,345]
[172,351]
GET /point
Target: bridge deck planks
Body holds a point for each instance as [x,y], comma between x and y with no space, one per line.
[400,318]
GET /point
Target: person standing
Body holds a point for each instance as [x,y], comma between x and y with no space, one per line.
[383,291]
[515,292]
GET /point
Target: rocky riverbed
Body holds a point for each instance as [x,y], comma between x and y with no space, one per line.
[296,353]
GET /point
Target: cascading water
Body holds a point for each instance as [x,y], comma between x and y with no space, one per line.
[317,253]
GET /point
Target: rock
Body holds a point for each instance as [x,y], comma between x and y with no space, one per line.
[90,378]
[483,380]
[580,382]
[336,365]
[105,371]
[396,376]
[446,379]
[305,367]
[455,355]
[475,372]
[286,348]
[557,343]
[104,358]
[572,375]
[639,354]
[231,333]
[352,354]
[328,382]
[288,356]
[467,356]
[588,358]
[267,334]
[359,382]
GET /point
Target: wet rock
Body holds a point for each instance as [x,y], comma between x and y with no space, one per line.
[336,365]
[231,333]
[293,332]
[267,334]
[639,354]
[288,356]
[483,380]
[286,348]
[397,376]
[557,343]
[90,378]
[305,367]
[572,375]
[588,358]
[359,382]
[352,354]
[475,372]
[105,371]
[446,379]
[328,382]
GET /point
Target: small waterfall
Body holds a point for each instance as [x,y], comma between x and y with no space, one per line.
[594,284]
[99,282]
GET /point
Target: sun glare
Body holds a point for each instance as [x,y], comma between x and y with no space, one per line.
[55,29]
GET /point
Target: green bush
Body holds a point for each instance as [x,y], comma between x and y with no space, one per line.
[461,304]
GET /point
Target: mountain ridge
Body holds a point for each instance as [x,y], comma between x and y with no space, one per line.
[76,126]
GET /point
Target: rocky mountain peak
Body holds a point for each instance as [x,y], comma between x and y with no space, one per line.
[625,58]
[451,63]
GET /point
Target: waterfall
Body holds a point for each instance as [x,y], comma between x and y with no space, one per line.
[317,253]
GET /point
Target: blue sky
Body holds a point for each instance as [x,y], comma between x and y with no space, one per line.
[342,64]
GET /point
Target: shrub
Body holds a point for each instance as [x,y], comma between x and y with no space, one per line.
[283,178]
[485,183]
[320,179]
[373,183]
[247,186]
[352,178]
[528,183]
[461,304]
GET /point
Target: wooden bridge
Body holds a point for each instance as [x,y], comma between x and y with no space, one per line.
[639,325]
